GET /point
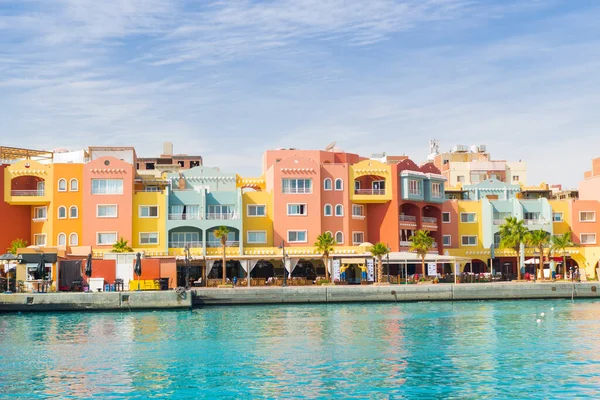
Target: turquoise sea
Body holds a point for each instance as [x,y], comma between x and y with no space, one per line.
[426,350]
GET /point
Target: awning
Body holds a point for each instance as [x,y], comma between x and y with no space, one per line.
[30,258]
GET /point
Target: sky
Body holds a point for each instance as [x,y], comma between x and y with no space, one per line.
[230,79]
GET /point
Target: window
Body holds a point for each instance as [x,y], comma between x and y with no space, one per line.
[73,212]
[557,217]
[297,185]
[446,217]
[107,186]
[296,209]
[327,210]
[219,211]
[531,216]
[62,185]
[179,239]
[257,210]
[297,236]
[40,239]
[414,187]
[339,184]
[257,237]
[436,190]
[40,213]
[339,237]
[148,212]
[150,188]
[358,210]
[588,238]
[106,238]
[460,179]
[469,240]
[356,185]
[62,212]
[515,178]
[339,210]
[106,211]
[587,216]
[73,185]
[61,240]
[327,184]
[73,239]
[447,240]
[148,237]
[468,218]
[358,238]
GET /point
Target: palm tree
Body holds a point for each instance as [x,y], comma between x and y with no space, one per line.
[121,246]
[222,233]
[421,243]
[512,234]
[378,250]
[560,244]
[16,245]
[324,244]
[539,239]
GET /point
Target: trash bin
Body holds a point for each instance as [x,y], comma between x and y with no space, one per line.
[164,283]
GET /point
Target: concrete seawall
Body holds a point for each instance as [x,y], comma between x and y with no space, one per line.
[396,293]
[104,301]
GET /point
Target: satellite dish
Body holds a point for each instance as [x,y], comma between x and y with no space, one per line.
[330,146]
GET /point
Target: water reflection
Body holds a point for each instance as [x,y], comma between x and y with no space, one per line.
[445,350]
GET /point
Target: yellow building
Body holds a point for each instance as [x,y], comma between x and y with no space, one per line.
[150,213]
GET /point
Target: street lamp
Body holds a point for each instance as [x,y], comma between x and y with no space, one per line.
[186,249]
[387,256]
[282,247]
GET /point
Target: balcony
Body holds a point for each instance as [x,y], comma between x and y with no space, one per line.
[408,220]
[40,219]
[356,216]
[220,216]
[181,245]
[184,217]
[534,221]
[405,243]
[429,223]
[370,192]
[230,243]
[20,193]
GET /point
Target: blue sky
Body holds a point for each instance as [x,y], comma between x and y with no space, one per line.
[230,79]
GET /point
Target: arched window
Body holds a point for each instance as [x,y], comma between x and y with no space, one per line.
[73,185]
[327,184]
[339,210]
[330,234]
[62,185]
[62,212]
[62,239]
[73,212]
[339,184]
[339,237]
[328,210]
[73,239]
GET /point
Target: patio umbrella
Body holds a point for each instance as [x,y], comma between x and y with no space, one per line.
[8,257]
[137,269]
[88,266]
[41,269]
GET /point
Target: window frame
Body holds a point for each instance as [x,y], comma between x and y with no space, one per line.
[330,214]
[436,193]
[58,212]
[255,231]
[469,236]
[296,231]
[449,240]
[71,181]
[341,214]
[45,217]
[362,210]
[44,235]
[76,212]
[62,180]
[148,216]
[289,191]
[325,181]
[76,237]
[106,232]
[105,180]
[335,185]
[248,206]
[588,234]
[468,222]
[449,217]
[354,242]
[58,239]
[296,204]
[418,191]
[336,235]
[590,220]
[562,216]
[109,205]
[148,233]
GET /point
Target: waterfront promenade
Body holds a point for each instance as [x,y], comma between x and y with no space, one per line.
[159,300]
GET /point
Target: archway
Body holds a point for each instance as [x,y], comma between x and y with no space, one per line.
[233,238]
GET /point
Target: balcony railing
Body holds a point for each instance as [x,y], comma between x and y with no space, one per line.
[534,221]
[408,218]
[358,216]
[429,220]
[221,216]
[40,219]
[297,190]
[499,221]
[405,243]
[181,245]
[27,192]
[184,217]
[370,192]
[230,243]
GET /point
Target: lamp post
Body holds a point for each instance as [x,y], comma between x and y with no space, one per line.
[186,250]
[282,247]
[387,256]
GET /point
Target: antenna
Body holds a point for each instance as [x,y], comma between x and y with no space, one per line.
[330,146]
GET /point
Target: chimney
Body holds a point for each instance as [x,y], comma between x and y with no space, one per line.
[167,148]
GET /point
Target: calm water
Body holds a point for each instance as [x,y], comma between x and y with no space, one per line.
[432,350]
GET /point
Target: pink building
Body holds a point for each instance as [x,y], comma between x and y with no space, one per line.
[108,180]
[589,188]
